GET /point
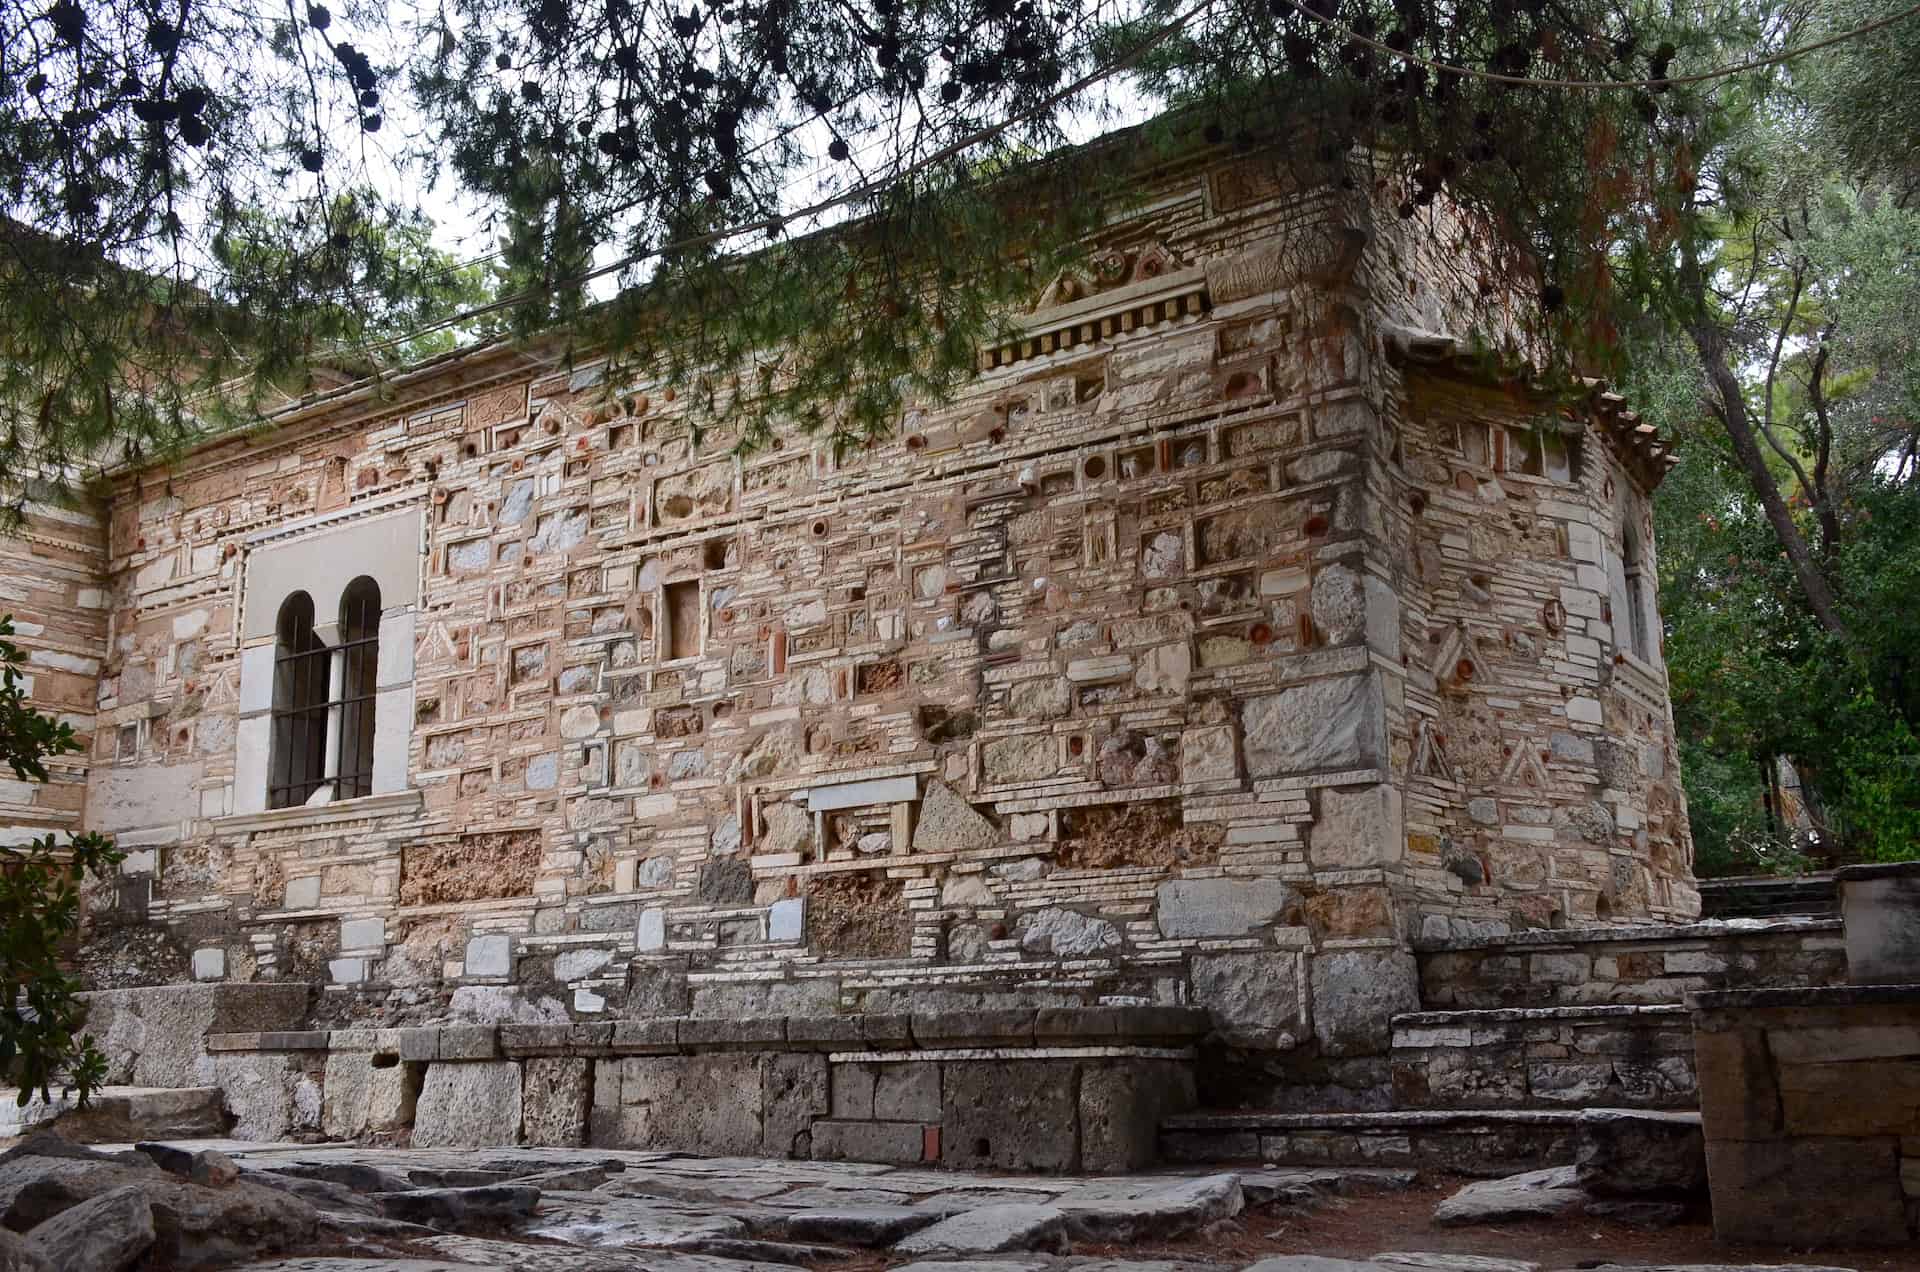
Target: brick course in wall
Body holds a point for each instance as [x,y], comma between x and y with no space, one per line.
[1223,638]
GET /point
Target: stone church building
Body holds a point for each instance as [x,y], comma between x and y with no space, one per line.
[1235,634]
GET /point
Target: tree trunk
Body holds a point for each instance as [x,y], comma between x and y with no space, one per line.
[1711,342]
[1823,457]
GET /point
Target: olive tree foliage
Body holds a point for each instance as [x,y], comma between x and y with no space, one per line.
[207,198]
[40,1018]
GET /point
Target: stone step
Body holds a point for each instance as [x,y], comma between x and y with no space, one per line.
[1768,896]
[1626,1056]
[119,1114]
[1641,964]
[1487,1143]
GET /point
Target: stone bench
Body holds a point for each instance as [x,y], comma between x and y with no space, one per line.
[1811,1103]
[1622,1056]
[1643,964]
[1055,1089]
[1484,1142]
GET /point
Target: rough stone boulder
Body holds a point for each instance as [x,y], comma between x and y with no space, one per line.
[195,1224]
[105,1234]
[45,1175]
[17,1255]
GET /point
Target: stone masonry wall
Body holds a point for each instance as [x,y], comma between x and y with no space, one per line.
[1541,772]
[50,586]
[1112,681]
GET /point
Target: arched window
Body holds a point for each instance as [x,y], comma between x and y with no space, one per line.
[1639,641]
[359,658]
[301,669]
[323,699]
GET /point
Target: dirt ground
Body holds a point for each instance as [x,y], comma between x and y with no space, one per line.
[1360,1227]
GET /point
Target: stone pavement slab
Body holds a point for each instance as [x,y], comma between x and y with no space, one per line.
[594,1219]
[992,1230]
[519,1257]
[1537,1194]
[1434,1262]
[868,1226]
[605,1210]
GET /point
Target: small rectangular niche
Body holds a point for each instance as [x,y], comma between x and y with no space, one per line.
[1540,453]
[680,602]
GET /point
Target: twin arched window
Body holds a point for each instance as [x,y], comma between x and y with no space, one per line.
[323,696]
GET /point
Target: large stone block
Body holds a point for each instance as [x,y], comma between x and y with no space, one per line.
[554,1095]
[1857,1098]
[259,1090]
[1254,997]
[1808,1192]
[1067,934]
[1880,906]
[1356,993]
[1334,723]
[393,1091]
[156,1036]
[1122,1103]
[1357,829]
[1738,1096]
[469,1104]
[1209,753]
[1219,907]
[896,1143]
[343,1109]
[907,1092]
[490,955]
[697,1104]
[1009,1115]
[1621,1153]
[794,1091]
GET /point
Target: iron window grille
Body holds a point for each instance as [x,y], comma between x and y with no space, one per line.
[323,699]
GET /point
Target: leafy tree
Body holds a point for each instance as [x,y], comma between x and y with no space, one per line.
[658,145]
[40,1015]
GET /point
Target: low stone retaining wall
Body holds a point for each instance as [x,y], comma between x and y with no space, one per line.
[1811,1104]
[1770,896]
[1052,1090]
[156,1036]
[1490,1143]
[1622,1056]
[1643,964]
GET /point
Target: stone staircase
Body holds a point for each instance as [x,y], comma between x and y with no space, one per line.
[1519,1035]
